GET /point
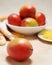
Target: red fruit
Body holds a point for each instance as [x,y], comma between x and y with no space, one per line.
[27,11]
[19,49]
[14,19]
[40,17]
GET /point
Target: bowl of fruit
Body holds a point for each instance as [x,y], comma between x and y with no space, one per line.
[28,21]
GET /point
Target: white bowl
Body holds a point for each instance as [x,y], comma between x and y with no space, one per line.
[25,30]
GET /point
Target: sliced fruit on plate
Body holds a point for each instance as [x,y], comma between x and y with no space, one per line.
[46,35]
[2,39]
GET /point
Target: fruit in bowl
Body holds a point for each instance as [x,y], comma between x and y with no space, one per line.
[40,17]
[27,11]
[28,16]
[14,19]
[19,49]
[29,22]
[25,30]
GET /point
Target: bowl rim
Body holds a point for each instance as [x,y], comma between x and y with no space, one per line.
[23,26]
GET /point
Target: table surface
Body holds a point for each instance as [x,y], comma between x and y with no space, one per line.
[42,53]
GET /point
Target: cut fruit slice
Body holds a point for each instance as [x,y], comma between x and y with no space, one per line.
[46,35]
[2,40]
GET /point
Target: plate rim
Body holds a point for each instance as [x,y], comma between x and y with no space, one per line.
[41,37]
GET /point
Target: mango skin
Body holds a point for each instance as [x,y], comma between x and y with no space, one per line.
[19,49]
[29,22]
[27,11]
